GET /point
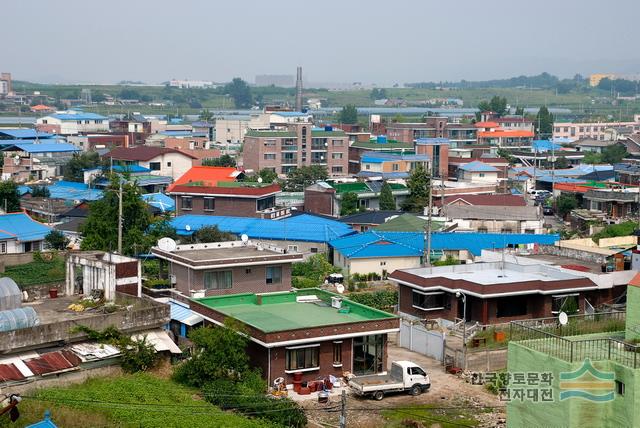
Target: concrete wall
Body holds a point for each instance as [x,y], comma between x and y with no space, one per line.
[579,254]
[377,265]
[15,259]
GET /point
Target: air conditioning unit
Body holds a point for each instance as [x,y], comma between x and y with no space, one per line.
[336,302]
[197,294]
[172,279]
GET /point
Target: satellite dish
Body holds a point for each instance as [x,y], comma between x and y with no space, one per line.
[167,244]
[187,228]
[244,238]
[259,179]
[563,318]
[340,288]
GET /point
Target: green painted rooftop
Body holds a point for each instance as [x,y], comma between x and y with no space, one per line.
[282,311]
[389,145]
[255,133]
[334,133]
[361,187]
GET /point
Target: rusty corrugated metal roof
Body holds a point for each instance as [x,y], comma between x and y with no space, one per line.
[51,362]
[10,372]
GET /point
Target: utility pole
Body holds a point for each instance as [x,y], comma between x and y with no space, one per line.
[427,237]
[343,410]
[120,217]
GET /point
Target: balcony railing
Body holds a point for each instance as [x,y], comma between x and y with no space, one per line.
[545,335]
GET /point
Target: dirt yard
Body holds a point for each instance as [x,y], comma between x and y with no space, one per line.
[450,402]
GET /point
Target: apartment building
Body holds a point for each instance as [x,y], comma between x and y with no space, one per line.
[296,145]
[460,134]
[73,122]
[592,130]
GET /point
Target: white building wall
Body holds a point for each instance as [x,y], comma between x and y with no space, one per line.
[180,164]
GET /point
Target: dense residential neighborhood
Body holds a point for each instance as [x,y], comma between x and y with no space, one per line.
[406,243]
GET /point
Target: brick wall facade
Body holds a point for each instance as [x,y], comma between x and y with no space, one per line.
[229,206]
[250,279]
[320,202]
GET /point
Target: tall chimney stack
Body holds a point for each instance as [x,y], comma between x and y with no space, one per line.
[299,90]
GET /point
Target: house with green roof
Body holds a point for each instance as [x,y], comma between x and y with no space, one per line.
[326,197]
[310,331]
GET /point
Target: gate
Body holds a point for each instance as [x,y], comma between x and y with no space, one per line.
[415,337]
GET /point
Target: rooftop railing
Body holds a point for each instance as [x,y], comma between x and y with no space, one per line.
[547,336]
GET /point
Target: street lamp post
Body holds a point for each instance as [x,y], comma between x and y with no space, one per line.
[464,326]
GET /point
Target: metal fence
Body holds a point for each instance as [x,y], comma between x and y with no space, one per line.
[547,336]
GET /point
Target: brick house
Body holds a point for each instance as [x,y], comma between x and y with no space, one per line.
[496,292]
[220,268]
[310,331]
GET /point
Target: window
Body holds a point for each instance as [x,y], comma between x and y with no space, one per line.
[313,249]
[416,371]
[269,156]
[3,247]
[265,203]
[620,387]
[481,174]
[511,306]
[383,263]
[430,301]
[154,166]
[218,280]
[337,143]
[482,229]
[337,354]
[270,143]
[168,164]
[209,204]
[306,358]
[336,155]
[274,274]
[531,231]
[367,354]
[367,166]
[506,230]
[396,167]
[292,249]
[186,203]
[565,303]
[336,169]
[45,121]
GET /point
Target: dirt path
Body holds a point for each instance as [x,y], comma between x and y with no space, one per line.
[446,391]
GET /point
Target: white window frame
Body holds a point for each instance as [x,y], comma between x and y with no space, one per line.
[439,308]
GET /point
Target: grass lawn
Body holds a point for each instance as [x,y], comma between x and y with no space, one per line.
[431,415]
[140,400]
[37,272]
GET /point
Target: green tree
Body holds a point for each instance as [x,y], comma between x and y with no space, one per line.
[73,169]
[562,163]
[519,111]
[592,158]
[300,178]
[565,203]
[387,201]
[56,240]
[240,92]
[498,105]
[208,234]
[544,123]
[378,94]
[9,196]
[220,353]
[349,203]
[40,191]
[100,230]
[268,175]
[224,160]
[614,154]
[419,184]
[348,114]
[206,115]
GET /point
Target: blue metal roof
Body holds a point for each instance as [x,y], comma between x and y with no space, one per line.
[477,166]
[544,146]
[380,157]
[45,423]
[431,141]
[44,147]
[183,314]
[22,227]
[25,134]
[299,228]
[184,134]
[70,190]
[371,159]
[78,116]
[23,190]
[404,244]
[384,175]
[161,201]
[128,168]
[290,114]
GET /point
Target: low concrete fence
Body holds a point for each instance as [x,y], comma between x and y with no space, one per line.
[15,259]
[140,314]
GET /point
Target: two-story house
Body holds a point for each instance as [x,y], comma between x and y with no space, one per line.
[159,160]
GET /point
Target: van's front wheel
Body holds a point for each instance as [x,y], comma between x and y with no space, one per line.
[378,395]
[415,390]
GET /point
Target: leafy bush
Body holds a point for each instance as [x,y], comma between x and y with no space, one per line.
[158,284]
[302,282]
[312,272]
[247,396]
[383,299]
[151,268]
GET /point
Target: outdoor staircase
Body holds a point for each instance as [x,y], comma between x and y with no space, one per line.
[459,326]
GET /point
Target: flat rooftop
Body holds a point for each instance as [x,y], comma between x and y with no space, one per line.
[273,312]
[566,262]
[492,273]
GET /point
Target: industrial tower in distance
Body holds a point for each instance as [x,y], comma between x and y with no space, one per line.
[299,90]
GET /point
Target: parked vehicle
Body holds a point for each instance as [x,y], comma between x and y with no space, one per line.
[404,376]
[547,211]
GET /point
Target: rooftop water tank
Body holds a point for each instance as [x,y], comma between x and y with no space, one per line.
[16,319]
[10,294]
[382,139]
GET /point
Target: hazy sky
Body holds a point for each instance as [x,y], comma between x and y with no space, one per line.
[334,40]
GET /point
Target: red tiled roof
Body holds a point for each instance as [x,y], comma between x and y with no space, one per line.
[513,120]
[494,200]
[141,153]
[207,175]
[9,372]
[635,281]
[504,133]
[52,362]
[218,190]
[487,125]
